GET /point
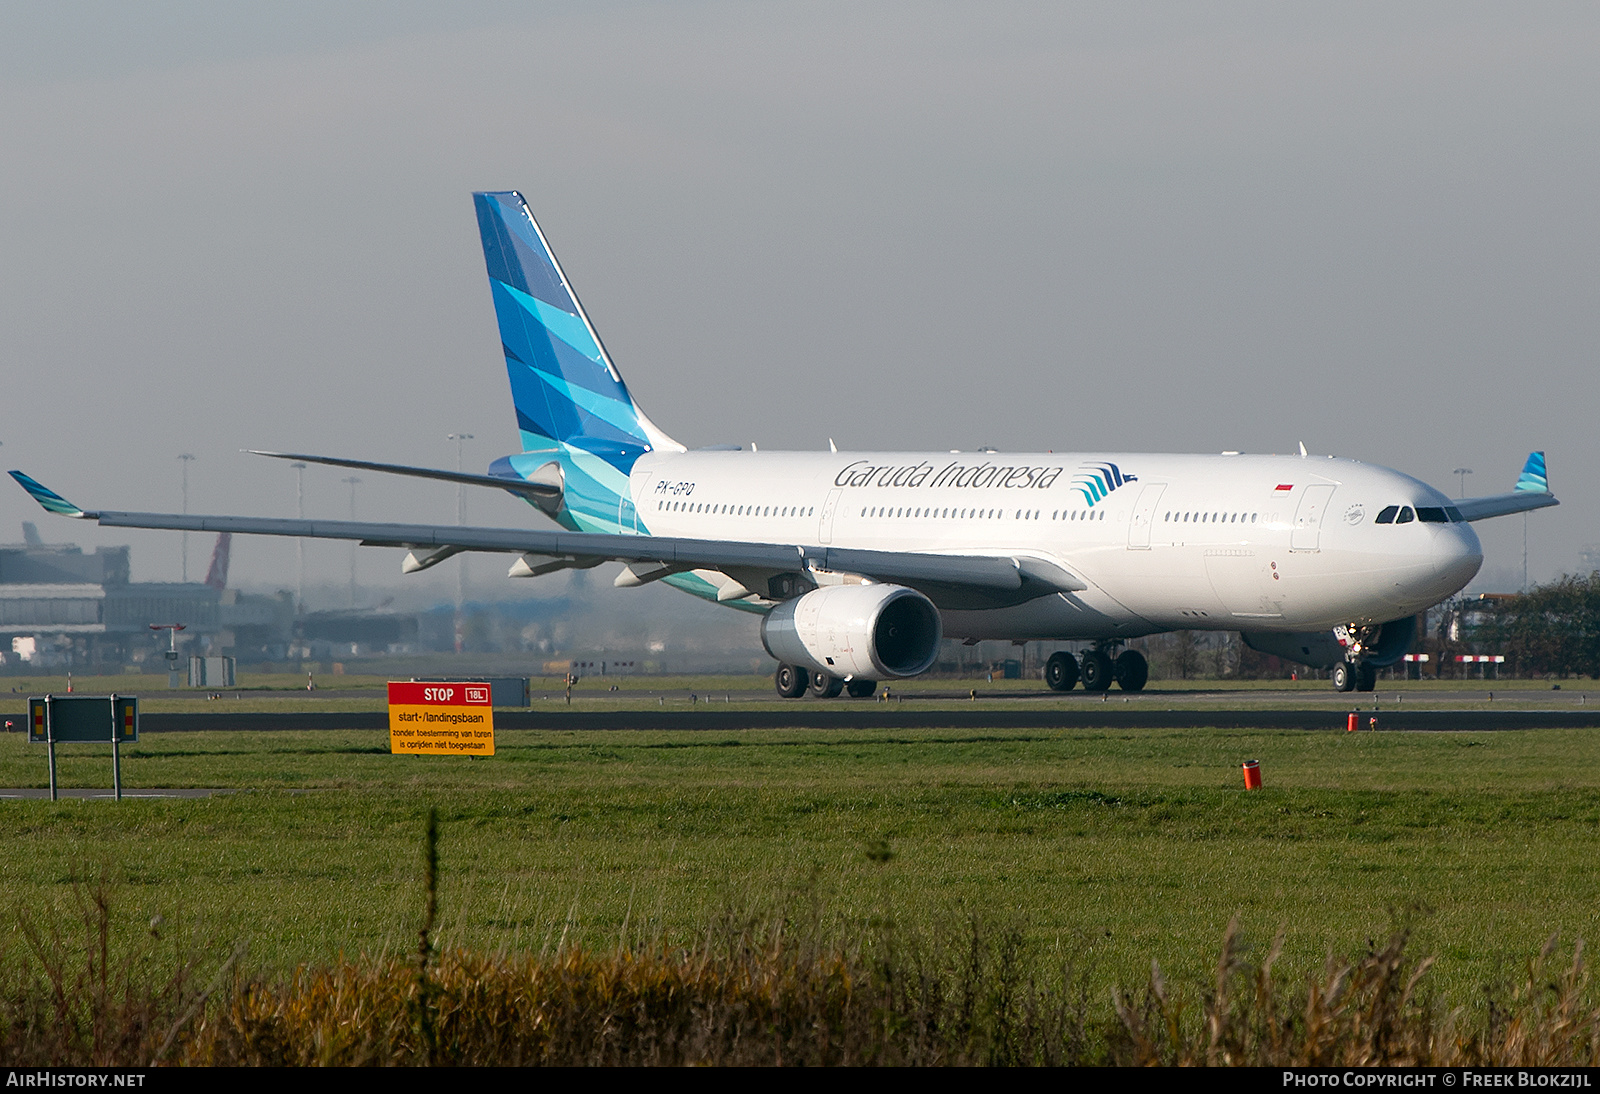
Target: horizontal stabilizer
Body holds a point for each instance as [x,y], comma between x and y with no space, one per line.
[522,487]
[1531,492]
[1499,505]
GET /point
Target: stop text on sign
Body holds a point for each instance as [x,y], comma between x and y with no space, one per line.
[440,719]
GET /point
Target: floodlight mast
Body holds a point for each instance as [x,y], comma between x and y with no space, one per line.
[299,542]
[461,519]
[186,459]
[352,481]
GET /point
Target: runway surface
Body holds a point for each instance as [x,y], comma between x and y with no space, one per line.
[905,716]
[36,793]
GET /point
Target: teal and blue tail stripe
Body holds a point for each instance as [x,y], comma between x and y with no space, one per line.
[52,501]
[571,404]
[1533,477]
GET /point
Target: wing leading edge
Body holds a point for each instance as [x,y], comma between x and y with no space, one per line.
[950,581]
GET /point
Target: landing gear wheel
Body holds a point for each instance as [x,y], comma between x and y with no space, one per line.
[1097,671]
[1131,670]
[1061,672]
[1344,676]
[790,681]
[825,686]
[860,689]
[1366,676]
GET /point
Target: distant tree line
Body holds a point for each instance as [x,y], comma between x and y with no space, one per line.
[1211,655]
[1552,630]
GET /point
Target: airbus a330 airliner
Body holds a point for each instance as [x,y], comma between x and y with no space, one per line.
[861,563]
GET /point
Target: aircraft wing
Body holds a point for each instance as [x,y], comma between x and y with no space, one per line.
[1531,492]
[954,581]
[1499,505]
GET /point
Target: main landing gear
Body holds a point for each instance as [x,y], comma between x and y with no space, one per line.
[793,682]
[824,686]
[1096,668]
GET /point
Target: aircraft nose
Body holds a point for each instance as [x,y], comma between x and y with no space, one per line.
[1457,554]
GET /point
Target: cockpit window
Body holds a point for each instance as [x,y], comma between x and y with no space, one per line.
[1428,514]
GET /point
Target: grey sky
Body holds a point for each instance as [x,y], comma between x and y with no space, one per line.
[1155,227]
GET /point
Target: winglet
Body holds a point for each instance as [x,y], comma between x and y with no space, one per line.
[1533,478]
[47,497]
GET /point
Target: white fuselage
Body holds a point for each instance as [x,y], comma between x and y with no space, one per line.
[1163,542]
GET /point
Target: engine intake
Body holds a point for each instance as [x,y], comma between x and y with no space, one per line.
[868,631]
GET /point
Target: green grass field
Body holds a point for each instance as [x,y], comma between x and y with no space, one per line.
[1105,848]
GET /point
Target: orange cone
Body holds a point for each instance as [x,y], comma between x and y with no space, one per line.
[1252,774]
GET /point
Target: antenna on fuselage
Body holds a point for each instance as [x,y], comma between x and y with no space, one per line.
[1302,450]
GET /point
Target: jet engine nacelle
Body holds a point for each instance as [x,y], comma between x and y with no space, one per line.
[866,631]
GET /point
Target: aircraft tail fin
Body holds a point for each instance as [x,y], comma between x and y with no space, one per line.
[1533,477]
[568,394]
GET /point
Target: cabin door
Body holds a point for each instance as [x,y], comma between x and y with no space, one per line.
[1307,533]
[1144,515]
[825,524]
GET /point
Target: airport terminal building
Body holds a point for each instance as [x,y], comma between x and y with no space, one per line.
[61,607]
[64,608]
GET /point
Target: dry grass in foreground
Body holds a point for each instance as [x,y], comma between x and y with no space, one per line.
[756,992]
[768,997]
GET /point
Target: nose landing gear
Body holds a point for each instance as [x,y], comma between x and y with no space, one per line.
[1356,673]
[1355,676]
